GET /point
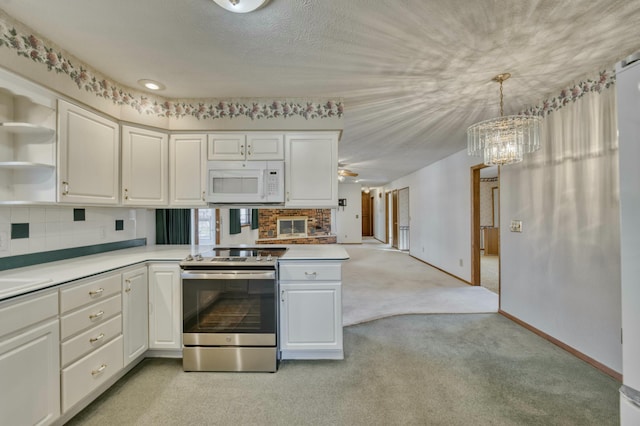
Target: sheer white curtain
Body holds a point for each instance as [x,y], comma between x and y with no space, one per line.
[562,273]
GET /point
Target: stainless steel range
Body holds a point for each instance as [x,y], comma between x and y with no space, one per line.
[230,309]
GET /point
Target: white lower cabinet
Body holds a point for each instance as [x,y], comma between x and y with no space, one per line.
[165,308]
[91,346]
[82,377]
[30,361]
[310,310]
[135,314]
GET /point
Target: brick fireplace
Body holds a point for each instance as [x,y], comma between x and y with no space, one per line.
[318,226]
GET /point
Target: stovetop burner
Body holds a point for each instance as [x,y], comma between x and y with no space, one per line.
[233,256]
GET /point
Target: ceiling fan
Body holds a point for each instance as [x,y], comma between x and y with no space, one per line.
[345,172]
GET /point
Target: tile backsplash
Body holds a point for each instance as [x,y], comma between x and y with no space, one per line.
[54,227]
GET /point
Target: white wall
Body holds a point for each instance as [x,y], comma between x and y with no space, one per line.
[53,227]
[561,275]
[440,213]
[349,219]
[246,236]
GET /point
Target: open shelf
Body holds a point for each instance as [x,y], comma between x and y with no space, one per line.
[24,165]
[20,128]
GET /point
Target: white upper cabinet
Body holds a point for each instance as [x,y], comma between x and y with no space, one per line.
[145,167]
[27,142]
[246,146]
[187,170]
[311,169]
[88,156]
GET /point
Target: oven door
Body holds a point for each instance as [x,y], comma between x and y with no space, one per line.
[229,308]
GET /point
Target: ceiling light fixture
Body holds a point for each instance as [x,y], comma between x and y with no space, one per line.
[241,6]
[504,140]
[151,84]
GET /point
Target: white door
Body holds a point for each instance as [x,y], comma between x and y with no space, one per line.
[310,316]
[187,170]
[265,146]
[311,170]
[165,313]
[226,146]
[135,314]
[145,167]
[30,374]
[88,157]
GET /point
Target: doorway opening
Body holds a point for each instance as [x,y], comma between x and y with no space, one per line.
[485,226]
[367,214]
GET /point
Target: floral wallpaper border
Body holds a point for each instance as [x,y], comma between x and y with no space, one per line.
[605,80]
[41,51]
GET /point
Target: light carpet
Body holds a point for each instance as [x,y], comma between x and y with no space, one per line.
[379,282]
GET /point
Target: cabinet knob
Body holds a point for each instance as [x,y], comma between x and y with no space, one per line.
[98,370]
[98,337]
[202,195]
[97,292]
[96,315]
[248,149]
[126,194]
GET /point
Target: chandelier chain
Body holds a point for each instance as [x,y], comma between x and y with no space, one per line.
[501,102]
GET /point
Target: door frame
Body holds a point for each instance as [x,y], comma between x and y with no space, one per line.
[394,217]
[386,217]
[475,226]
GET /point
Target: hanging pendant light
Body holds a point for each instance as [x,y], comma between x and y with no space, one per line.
[504,140]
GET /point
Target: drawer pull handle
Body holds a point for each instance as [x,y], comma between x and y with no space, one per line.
[95,339]
[99,370]
[96,315]
[311,274]
[96,292]
[282,296]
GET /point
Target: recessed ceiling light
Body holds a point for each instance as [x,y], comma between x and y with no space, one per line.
[151,84]
[241,6]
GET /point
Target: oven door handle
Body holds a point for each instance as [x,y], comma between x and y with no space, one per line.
[229,275]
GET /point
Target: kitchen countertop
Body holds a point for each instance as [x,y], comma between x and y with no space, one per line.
[15,282]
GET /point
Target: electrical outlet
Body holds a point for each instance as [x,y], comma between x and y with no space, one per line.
[516,226]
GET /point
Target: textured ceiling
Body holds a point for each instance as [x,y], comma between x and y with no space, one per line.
[413,74]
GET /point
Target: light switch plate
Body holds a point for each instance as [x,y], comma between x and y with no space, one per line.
[516,226]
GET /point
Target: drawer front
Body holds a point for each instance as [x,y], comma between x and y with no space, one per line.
[90,316]
[310,271]
[91,291]
[91,339]
[83,376]
[22,313]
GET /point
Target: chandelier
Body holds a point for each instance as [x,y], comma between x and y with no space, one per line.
[504,140]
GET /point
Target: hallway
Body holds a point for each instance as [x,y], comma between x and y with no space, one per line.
[379,282]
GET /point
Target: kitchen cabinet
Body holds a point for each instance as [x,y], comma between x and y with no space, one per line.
[246,146]
[311,310]
[187,170]
[145,167]
[29,360]
[88,156]
[135,313]
[91,344]
[311,161]
[165,318]
[27,142]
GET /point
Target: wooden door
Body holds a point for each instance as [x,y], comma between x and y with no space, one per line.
[366,215]
[394,218]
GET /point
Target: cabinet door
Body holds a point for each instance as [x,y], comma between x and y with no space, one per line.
[187,170]
[165,320]
[265,146]
[226,146]
[30,374]
[145,167]
[88,156]
[311,170]
[311,316]
[135,313]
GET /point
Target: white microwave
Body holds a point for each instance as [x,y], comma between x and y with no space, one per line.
[245,182]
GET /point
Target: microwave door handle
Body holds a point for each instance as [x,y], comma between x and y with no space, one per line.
[265,174]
